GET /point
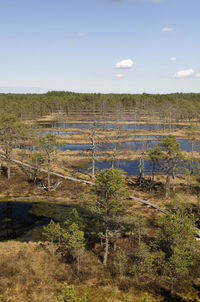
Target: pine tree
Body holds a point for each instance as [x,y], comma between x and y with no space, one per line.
[75,242]
[48,145]
[107,204]
[69,295]
[177,239]
[12,132]
[167,154]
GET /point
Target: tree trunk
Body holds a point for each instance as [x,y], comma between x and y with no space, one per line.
[8,168]
[198,204]
[140,172]
[48,175]
[167,185]
[105,258]
[93,165]
[173,178]
[115,241]
[120,271]
[113,157]
[93,154]
[151,177]
[142,167]
[192,157]
[139,236]
[78,263]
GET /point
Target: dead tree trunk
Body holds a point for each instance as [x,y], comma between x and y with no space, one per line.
[105,258]
[167,184]
[93,153]
[8,168]
[48,176]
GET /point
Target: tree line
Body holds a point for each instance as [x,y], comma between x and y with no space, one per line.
[171,107]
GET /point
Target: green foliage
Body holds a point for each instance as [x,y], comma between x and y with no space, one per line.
[139,225]
[120,261]
[110,190]
[180,263]
[144,260]
[37,160]
[107,206]
[176,238]
[167,154]
[170,146]
[48,143]
[177,227]
[69,295]
[74,218]
[180,106]
[110,184]
[53,232]
[74,239]
[11,130]
[70,235]
[168,150]
[147,298]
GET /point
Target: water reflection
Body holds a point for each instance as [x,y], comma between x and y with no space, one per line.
[111,126]
[186,145]
[24,221]
[131,167]
[44,132]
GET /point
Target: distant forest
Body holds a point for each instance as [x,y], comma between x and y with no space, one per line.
[177,107]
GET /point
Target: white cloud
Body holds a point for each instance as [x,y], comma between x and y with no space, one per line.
[197,75]
[169,30]
[184,73]
[172,59]
[81,34]
[128,63]
[119,75]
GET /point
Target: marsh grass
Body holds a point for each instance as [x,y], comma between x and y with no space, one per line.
[29,273]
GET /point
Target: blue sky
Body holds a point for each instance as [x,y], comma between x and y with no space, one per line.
[127,46]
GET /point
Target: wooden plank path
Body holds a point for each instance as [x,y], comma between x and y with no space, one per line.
[148,204]
[52,173]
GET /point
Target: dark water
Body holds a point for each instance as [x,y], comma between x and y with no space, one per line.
[57,132]
[111,126]
[142,145]
[24,221]
[131,168]
[186,145]
[136,145]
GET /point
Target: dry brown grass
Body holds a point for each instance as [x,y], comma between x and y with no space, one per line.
[29,273]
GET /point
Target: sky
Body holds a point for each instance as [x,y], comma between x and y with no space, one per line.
[106,46]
